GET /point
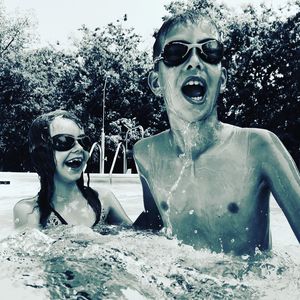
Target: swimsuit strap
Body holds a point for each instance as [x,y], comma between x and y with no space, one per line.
[61,219]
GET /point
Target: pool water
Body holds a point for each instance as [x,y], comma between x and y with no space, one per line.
[109,262]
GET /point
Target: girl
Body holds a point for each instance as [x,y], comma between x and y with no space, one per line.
[59,149]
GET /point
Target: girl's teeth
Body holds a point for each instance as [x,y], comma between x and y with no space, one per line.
[197,98]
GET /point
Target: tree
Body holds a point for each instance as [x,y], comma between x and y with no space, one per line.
[262,59]
[15,35]
[113,65]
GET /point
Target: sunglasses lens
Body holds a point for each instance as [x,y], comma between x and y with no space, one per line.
[174,54]
[213,52]
[63,142]
[85,143]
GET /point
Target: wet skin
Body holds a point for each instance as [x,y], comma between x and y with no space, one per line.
[206,182]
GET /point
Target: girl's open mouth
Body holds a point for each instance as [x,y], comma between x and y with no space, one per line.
[74,162]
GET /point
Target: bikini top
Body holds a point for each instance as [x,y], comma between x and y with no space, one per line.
[55,218]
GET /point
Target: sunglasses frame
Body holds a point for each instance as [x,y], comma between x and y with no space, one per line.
[78,139]
[189,47]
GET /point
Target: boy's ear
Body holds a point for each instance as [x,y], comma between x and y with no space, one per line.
[223,80]
[153,83]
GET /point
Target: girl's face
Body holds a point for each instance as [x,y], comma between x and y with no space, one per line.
[69,163]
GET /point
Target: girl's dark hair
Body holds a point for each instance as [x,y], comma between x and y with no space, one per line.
[42,157]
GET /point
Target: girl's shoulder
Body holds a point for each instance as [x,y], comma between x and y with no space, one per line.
[26,204]
[105,195]
[26,212]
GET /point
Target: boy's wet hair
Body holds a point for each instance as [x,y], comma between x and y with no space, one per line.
[191,16]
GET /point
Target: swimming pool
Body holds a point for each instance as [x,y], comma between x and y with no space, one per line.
[113,263]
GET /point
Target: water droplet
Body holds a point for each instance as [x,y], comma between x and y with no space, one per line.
[191,212]
[195,231]
[232,240]
[233,207]
[245,256]
[164,205]
[246,228]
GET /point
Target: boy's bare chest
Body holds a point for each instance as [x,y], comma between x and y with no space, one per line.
[210,180]
[210,189]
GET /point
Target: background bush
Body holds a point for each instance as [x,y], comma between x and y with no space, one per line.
[262,59]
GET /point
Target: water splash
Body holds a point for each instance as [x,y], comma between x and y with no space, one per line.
[114,263]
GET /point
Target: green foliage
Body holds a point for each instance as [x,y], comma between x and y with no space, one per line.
[262,59]
[107,64]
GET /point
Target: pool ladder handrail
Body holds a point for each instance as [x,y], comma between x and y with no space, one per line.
[96,144]
[115,159]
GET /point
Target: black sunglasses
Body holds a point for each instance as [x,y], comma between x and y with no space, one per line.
[175,53]
[65,142]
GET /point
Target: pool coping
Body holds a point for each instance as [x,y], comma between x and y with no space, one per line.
[116,177]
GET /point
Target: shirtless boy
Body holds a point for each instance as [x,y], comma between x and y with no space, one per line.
[208,183]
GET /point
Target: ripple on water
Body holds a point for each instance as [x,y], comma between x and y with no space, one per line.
[114,263]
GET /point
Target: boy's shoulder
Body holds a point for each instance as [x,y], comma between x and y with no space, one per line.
[151,141]
[261,137]
[255,135]
[145,150]
[261,142]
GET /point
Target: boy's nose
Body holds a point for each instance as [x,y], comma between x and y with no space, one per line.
[194,60]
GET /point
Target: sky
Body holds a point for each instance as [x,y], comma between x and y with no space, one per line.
[58,20]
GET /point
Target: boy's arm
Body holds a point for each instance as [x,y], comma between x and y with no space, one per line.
[282,175]
[150,218]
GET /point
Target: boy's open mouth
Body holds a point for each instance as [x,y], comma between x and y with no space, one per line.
[74,162]
[194,90]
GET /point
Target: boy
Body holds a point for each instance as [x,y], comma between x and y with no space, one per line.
[208,183]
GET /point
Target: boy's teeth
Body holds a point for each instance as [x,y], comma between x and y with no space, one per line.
[193,83]
[194,89]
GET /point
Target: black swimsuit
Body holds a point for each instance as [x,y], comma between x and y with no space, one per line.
[60,218]
[55,218]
